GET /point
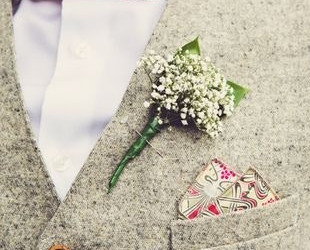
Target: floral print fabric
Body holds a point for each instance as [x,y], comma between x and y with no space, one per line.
[219,190]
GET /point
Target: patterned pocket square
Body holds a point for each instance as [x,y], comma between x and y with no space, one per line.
[248,192]
[212,182]
[219,190]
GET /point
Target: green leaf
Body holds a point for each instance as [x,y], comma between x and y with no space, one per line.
[239,92]
[192,47]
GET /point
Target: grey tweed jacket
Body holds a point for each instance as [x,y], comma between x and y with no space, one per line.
[263,44]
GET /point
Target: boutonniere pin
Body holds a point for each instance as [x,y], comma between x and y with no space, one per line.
[187,90]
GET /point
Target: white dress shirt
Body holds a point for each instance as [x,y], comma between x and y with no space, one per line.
[74,61]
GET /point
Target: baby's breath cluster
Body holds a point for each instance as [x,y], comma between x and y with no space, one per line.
[189,87]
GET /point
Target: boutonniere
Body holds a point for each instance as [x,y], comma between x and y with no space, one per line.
[187,90]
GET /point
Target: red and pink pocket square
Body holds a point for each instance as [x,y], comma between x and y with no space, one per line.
[219,189]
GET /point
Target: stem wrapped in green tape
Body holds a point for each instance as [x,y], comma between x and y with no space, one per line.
[149,131]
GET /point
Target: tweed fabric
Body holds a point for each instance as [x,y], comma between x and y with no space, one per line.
[27,197]
[245,226]
[286,239]
[262,44]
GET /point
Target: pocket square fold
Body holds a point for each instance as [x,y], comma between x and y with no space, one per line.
[219,190]
[248,192]
[213,181]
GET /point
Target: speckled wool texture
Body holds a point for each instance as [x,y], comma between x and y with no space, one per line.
[262,44]
[27,197]
[285,239]
[231,229]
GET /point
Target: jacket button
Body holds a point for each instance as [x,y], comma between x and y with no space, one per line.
[59,247]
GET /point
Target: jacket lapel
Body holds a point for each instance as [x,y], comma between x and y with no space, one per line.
[28,199]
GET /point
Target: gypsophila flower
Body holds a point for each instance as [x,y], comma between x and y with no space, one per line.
[191,87]
[146,104]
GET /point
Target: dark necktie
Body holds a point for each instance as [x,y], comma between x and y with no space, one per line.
[15,4]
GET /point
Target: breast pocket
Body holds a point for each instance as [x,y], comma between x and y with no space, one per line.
[271,227]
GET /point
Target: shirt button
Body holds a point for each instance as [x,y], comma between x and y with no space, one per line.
[59,247]
[61,163]
[81,50]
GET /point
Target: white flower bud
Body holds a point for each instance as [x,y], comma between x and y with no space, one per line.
[168,106]
[186,100]
[183,115]
[161,88]
[184,122]
[201,115]
[184,109]
[146,104]
[162,79]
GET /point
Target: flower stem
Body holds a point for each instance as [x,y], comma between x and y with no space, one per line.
[149,131]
